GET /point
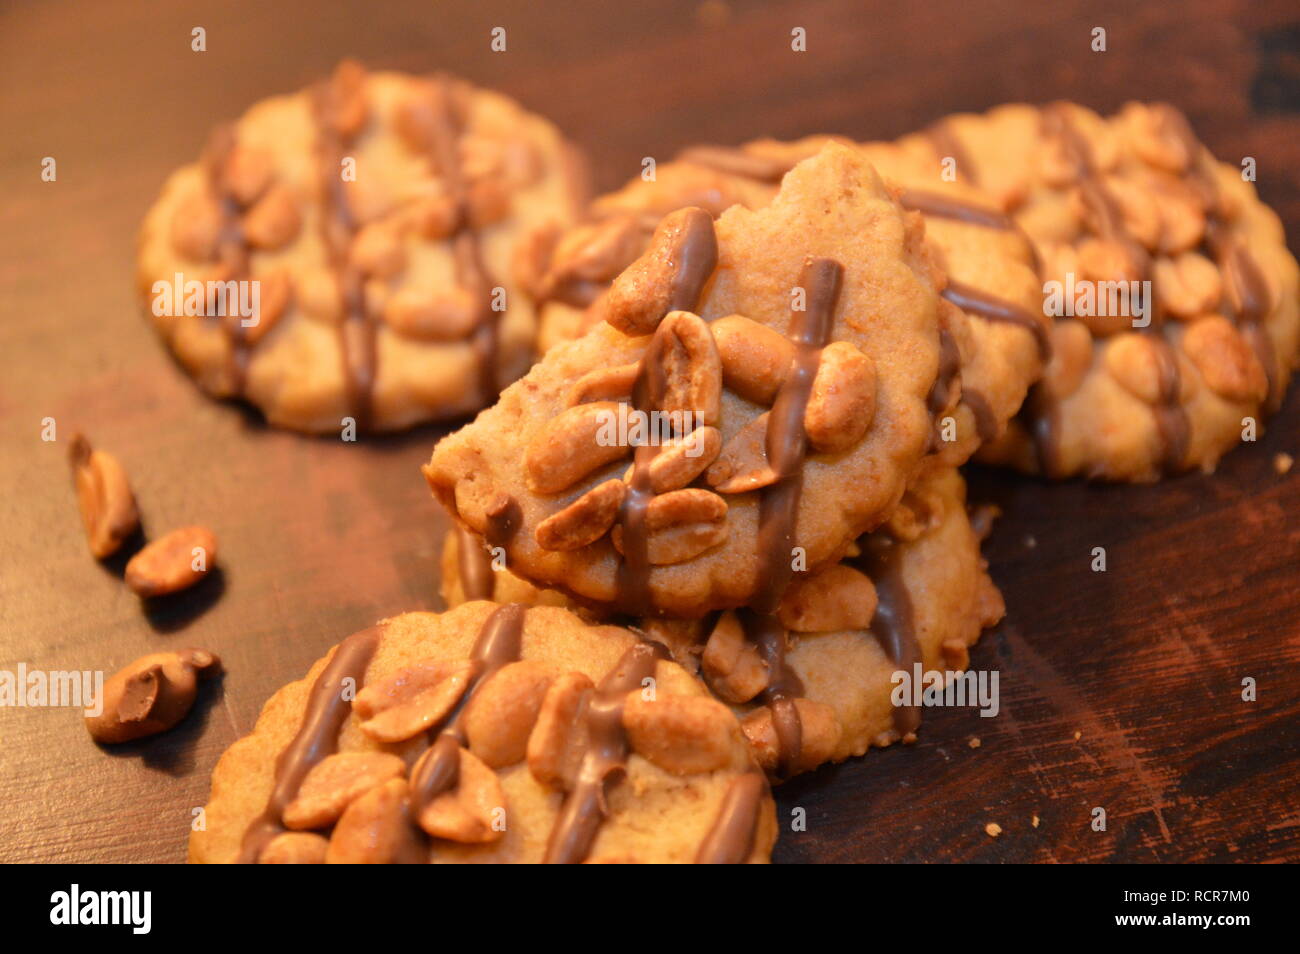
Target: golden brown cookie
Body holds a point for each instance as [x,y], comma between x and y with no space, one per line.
[1139,386]
[990,264]
[490,733]
[377,218]
[914,591]
[777,369]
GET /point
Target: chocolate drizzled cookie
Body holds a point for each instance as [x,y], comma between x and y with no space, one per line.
[373,223]
[490,733]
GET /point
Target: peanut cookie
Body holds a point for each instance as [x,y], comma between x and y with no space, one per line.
[914,591]
[379,216]
[991,269]
[490,734]
[771,372]
[1145,379]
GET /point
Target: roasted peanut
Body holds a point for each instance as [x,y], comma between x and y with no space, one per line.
[472,812]
[346,109]
[150,695]
[596,252]
[333,782]
[1228,364]
[681,525]
[585,520]
[376,829]
[426,314]
[108,509]
[1071,358]
[742,464]
[559,737]
[274,295]
[274,221]
[837,598]
[691,370]
[731,663]
[500,717]
[843,399]
[684,735]
[1133,361]
[1188,285]
[377,250]
[681,460]
[247,173]
[174,562]
[412,700]
[649,288]
[196,227]
[755,358]
[570,446]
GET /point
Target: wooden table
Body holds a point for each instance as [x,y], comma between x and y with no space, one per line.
[1120,689]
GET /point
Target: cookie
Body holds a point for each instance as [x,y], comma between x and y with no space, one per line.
[990,264]
[372,222]
[915,591]
[1145,380]
[819,313]
[490,734]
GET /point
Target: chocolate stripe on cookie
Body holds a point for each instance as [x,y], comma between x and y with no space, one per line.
[232,249]
[498,644]
[694,250]
[585,807]
[356,328]
[731,839]
[471,274]
[894,624]
[1107,221]
[327,709]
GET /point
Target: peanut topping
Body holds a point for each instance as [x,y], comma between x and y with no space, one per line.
[500,717]
[837,598]
[569,447]
[471,813]
[731,663]
[585,520]
[685,735]
[334,782]
[559,738]
[411,701]
[174,562]
[376,829]
[1226,361]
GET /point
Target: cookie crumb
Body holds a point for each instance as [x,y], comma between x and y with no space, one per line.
[1034,822]
[1282,463]
[974,742]
[993,829]
[1078,736]
[1031,542]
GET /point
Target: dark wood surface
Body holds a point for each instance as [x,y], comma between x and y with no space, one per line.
[1119,689]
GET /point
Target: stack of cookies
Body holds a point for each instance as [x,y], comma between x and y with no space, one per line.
[696,544]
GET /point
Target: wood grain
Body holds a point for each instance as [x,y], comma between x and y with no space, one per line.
[1119,689]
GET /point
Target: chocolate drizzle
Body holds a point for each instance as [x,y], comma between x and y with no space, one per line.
[327,710]
[731,839]
[950,207]
[477,578]
[894,624]
[232,252]
[498,644]
[1104,217]
[693,251]
[585,806]
[977,302]
[471,273]
[356,328]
